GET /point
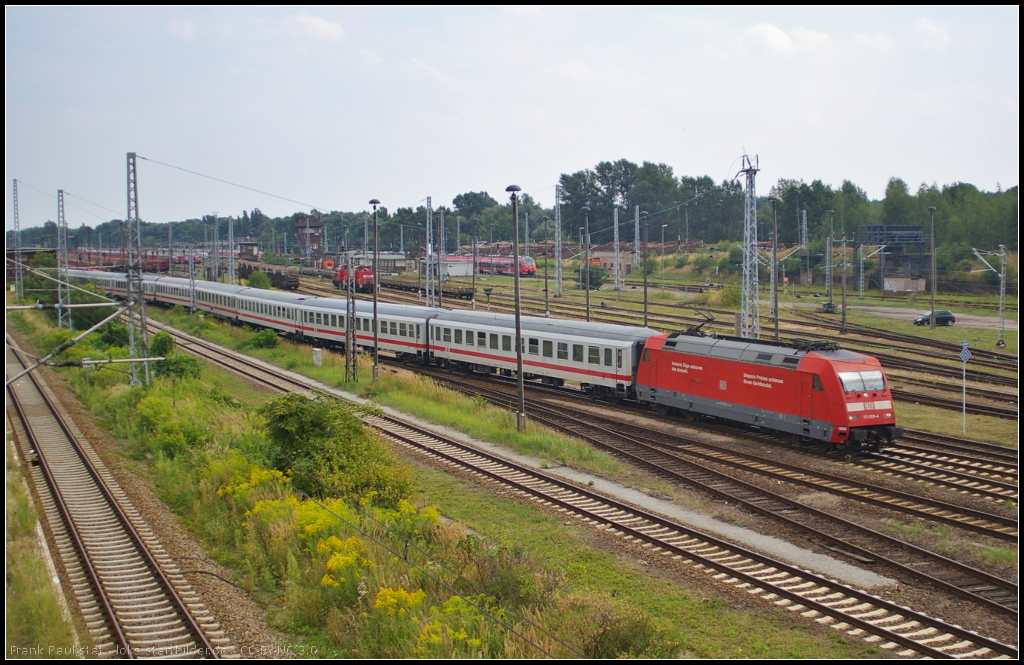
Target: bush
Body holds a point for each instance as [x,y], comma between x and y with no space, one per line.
[259,280]
[597,277]
[265,339]
[681,261]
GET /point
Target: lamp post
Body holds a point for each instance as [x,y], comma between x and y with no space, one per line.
[663,258]
[775,198]
[376,321]
[586,255]
[521,408]
[643,263]
[931,322]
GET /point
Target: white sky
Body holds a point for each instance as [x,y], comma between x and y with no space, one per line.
[335,106]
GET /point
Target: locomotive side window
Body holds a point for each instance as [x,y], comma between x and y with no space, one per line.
[458,336]
[506,343]
[547,348]
[494,341]
[534,346]
[577,353]
[815,384]
[563,351]
[594,355]
[608,357]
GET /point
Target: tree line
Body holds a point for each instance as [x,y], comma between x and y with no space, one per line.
[690,208]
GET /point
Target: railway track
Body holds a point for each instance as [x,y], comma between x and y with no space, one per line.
[888,625]
[930,442]
[133,599]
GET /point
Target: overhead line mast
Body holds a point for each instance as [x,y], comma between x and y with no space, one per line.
[137,339]
[750,314]
[19,273]
[63,292]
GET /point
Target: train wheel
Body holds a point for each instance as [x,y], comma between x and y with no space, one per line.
[661,409]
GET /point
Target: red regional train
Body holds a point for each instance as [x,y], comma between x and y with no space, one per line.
[808,391]
[363,278]
[498,265]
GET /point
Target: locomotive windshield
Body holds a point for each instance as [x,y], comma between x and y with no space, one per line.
[858,381]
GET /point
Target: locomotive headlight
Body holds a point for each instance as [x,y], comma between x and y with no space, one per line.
[888,415]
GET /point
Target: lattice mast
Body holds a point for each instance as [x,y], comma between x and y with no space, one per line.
[439,292]
[63,291]
[231,249]
[558,241]
[636,239]
[430,249]
[19,272]
[615,225]
[138,343]
[351,367]
[750,314]
[192,307]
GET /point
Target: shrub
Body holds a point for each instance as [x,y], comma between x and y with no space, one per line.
[259,280]
[265,339]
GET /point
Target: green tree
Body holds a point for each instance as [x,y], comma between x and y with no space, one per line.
[597,277]
[259,280]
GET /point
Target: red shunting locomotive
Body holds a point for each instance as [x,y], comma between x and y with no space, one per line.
[363,278]
[810,391]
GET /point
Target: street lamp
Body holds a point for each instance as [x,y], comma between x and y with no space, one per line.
[643,263]
[376,273]
[931,323]
[521,408]
[586,255]
[663,258]
[775,198]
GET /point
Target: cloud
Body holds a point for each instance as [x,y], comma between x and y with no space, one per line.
[433,72]
[316,26]
[183,29]
[776,40]
[933,35]
[878,43]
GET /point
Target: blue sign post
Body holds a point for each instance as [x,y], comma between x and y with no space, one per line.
[965,355]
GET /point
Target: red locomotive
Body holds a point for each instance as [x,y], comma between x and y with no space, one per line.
[810,391]
[363,278]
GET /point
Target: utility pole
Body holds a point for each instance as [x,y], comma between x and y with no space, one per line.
[750,314]
[558,241]
[644,264]
[430,250]
[19,271]
[844,285]
[586,256]
[440,258]
[775,198]
[828,253]
[615,225]
[376,319]
[138,342]
[63,291]
[231,249]
[931,323]
[216,247]
[521,407]
[192,307]
[527,222]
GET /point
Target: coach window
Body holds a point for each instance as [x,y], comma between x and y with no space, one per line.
[448,334]
[816,383]
[563,351]
[334,320]
[402,330]
[494,340]
[469,338]
[594,355]
[577,353]
[547,348]
[618,358]
[458,336]
[417,331]
[607,357]
[534,346]
[394,328]
[481,339]
[506,343]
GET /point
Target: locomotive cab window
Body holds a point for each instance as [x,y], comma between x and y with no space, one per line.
[862,381]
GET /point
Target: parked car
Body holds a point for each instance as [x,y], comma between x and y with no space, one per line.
[943,317]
